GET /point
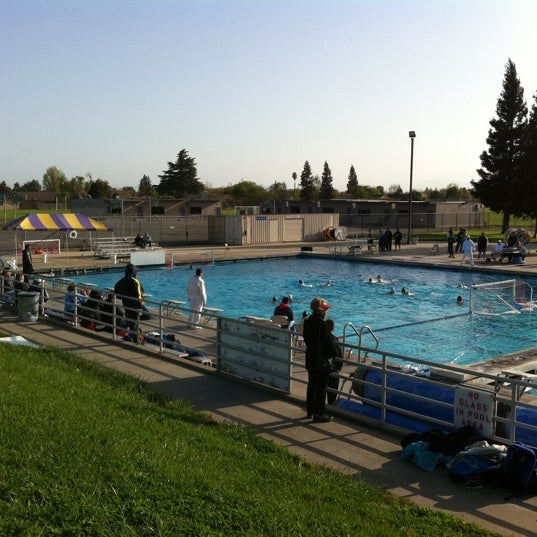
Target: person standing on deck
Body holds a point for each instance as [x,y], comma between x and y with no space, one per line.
[197,296]
[482,243]
[316,336]
[27,265]
[397,237]
[450,242]
[468,247]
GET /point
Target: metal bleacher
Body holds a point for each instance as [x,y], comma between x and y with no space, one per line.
[110,247]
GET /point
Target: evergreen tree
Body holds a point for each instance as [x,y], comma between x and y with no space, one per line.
[352,183]
[500,170]
[326,192]
[181,177]
[528,202]
[145,188]
[307,184]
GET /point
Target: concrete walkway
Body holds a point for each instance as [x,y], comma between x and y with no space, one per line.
[357,450]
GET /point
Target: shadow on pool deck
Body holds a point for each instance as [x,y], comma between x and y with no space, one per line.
[357,450]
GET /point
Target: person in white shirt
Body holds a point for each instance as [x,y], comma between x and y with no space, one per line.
[197,296]
[497,250]
[468,247]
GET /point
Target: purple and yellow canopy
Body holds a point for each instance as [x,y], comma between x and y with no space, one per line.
[56,222]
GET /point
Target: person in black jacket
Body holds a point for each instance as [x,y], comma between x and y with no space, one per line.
[336,355]
[27,265]
[316,336]
[131,292]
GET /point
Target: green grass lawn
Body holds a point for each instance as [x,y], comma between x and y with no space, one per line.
[88,451]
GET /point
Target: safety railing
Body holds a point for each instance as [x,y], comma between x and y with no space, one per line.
[391,390]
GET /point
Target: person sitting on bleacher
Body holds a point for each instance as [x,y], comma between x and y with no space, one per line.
[139,241]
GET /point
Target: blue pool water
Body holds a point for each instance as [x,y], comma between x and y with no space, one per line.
[247,288]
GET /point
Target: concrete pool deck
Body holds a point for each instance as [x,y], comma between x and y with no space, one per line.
[358,450]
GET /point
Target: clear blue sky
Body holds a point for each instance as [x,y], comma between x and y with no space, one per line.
[254,88]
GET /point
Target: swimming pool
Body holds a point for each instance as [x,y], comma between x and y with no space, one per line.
[247,288]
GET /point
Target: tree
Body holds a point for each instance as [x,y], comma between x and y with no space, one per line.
[326,192]
[31,186]
[181,178]
[352,183]
[395,191]
[500,170]
[308,191]
[78,186]
[528,202]
[100,188]
[54,180]
[247,193]
[4,188]
[278,191]
[369,192]
[145,188]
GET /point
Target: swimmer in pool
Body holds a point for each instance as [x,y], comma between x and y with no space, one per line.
[460,301]
[391,291]
[405,292]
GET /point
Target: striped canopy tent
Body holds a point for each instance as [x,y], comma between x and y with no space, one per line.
[56,222]
[70,223]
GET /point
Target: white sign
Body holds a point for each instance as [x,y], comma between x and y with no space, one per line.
[474,408]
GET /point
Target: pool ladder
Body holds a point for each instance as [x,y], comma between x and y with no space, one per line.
[359,334]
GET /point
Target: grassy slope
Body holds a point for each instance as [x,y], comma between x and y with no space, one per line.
[87,451]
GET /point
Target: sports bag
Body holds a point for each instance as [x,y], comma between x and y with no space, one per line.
[520,468]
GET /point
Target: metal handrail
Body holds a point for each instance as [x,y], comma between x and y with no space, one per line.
[359,334]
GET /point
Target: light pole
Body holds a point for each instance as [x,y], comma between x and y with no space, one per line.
[411,135]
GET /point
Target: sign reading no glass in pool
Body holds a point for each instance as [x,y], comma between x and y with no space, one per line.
[474,408]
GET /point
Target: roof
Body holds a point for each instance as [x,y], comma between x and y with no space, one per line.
[56,222]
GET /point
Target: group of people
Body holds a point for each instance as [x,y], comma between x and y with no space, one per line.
[386,239]
[97,312]
[404,291]
[462,242]
[142,242]
[12,285]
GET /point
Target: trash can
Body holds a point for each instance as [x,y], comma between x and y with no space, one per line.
[28,306]
[44,257]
